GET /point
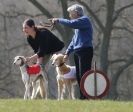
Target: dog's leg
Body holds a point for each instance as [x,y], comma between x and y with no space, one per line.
[61,90]
[37,90]
[34,90]
[69,88]
[73,91]
[44,86]
[25,94]
[27,91]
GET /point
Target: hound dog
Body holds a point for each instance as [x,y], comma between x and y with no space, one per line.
[38,81]
[66,76]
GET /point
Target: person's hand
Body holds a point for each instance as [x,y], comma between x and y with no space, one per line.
[31,58]
[40,61]
[65,58]
[54,20]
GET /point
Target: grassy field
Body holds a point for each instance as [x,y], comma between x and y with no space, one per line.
[19,105]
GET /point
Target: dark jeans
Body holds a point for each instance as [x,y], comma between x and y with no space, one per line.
[83,60]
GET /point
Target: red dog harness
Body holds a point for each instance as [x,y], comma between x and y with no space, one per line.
[34,69]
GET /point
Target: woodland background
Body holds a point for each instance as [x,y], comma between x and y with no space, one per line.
[113,38]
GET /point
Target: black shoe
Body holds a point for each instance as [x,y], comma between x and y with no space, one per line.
[83,98]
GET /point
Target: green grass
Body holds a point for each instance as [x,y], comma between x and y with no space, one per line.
[19,105]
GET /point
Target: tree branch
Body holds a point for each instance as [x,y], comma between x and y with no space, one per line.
[17,14]
[117,13]
[92,14]
[123,28]
[47,14]
[41,8]
[121,69]
[117,61]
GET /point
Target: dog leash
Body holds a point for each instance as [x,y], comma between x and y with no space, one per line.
[50,24]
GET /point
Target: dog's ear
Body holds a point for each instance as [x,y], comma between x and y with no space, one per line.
[16,58]
[53,56]
[22,58]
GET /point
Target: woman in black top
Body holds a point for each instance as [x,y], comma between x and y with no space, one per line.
[42,41]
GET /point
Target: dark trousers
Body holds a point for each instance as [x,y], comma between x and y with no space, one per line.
[83,60]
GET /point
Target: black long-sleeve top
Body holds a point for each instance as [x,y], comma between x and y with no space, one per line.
[45,43]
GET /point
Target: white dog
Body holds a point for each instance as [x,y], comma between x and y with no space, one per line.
[38,82]
[66,76]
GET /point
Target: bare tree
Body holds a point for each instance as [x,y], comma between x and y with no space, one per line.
[8,44]
[112,15]
[111,25]
[106,27]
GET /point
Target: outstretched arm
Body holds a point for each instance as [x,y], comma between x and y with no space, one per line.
[78,23]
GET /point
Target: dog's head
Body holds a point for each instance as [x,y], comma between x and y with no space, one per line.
[19,60]
[57,59]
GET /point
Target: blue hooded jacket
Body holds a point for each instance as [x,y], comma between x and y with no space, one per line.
[83,33]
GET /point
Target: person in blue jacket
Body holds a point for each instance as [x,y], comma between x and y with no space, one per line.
[81,43]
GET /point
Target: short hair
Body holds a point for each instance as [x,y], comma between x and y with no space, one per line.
[29,22]
[78,8]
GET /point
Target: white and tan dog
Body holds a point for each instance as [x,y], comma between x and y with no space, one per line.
[66,76]
[38,82]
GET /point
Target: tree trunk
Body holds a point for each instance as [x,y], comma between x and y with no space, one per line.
[113,90]
[107,35]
